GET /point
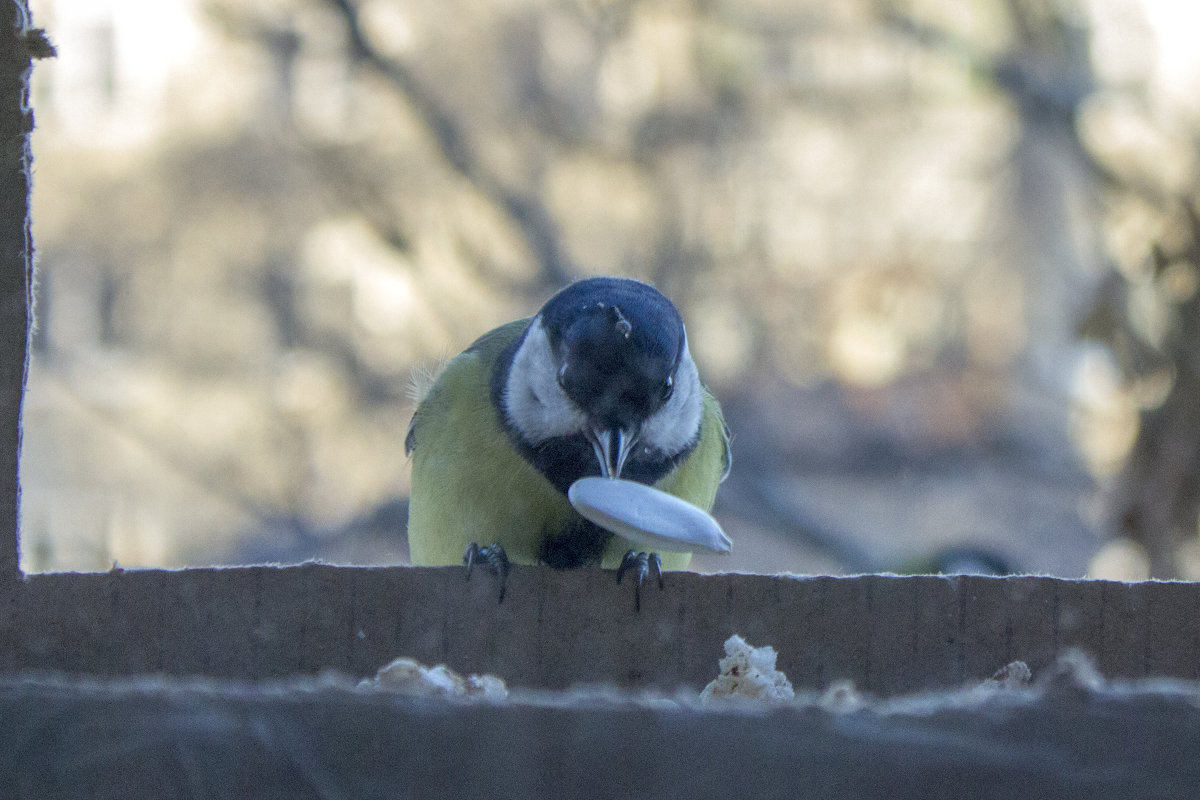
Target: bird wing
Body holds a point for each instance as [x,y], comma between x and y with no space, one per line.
[487,347]
[469,483]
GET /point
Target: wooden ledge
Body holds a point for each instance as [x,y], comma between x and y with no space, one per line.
[1067,736]
[888,634]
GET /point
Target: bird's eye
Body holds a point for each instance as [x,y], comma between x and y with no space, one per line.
[668,389]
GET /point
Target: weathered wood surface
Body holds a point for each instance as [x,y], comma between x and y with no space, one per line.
[322,739]
[888,634]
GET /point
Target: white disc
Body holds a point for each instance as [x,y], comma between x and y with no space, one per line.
[646,516]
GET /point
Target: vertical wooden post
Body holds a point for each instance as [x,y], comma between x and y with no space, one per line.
[16,266]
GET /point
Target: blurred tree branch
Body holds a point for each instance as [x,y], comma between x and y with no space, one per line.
[1157,497]
[1047,91]
[1046,73]
[525,210]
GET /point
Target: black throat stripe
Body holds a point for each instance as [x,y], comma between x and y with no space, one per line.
[566,459]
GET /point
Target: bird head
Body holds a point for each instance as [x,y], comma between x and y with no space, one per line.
[606,359]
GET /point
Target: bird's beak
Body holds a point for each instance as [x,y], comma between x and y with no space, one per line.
[612,446]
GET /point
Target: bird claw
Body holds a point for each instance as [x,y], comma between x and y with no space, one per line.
[494,557]
[642,564]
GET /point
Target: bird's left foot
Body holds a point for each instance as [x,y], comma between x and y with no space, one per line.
[642,565]
[494,557]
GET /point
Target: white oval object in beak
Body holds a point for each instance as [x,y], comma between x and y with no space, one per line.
[647,516]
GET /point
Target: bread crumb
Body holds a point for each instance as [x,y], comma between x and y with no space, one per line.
[408,676]
[841,697]
[748,672]
[1011,676]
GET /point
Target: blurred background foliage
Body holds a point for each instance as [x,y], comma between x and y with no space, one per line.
[938,259]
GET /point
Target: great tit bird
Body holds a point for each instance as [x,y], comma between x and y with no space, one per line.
[599,383]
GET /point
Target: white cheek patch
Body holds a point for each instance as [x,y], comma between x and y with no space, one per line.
[675,426]
[535,404]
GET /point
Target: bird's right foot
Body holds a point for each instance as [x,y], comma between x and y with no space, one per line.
[494,557]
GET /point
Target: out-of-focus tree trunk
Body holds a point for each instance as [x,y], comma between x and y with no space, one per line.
[1158,493]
